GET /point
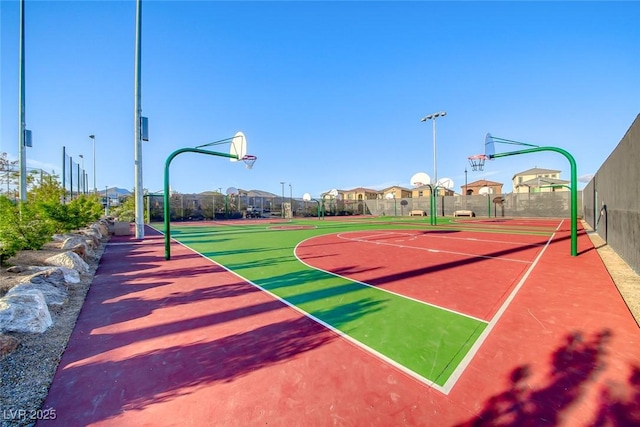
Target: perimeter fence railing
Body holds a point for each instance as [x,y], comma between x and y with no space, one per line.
[207,206]
[74,177]
[544,205]
[203,206]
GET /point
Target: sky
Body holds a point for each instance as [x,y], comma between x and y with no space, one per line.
[329,94]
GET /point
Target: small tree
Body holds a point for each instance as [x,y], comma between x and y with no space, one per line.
[47,196]
[78,213]
[23,227]
[126,212]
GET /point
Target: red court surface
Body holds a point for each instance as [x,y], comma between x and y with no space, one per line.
[467,272]
[187,343]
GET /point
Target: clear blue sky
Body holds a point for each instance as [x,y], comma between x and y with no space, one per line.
[329,94]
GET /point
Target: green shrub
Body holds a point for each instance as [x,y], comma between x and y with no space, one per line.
[8,246]
[126,212]
[22,227]
[76,214]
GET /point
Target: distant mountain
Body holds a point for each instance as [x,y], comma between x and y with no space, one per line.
[116,192]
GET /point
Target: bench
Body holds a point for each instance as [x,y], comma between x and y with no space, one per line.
[417,212]
[463,213]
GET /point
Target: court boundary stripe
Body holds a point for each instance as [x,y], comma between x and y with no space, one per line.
[466,360]
[462,365]
[338,332]
[435,250]
[376,287]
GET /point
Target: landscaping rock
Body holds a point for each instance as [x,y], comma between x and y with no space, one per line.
[70,260]
[24,311]
[53,295]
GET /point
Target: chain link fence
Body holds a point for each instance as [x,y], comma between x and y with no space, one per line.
[185,207]
[544,205]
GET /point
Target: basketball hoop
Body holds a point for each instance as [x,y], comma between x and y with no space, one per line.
[418,184]
[477,162]
[249,160]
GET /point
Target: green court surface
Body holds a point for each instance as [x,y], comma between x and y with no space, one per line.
[424,340]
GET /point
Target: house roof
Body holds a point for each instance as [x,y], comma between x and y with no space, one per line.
[360,190]
[536,182]
[481,183]
[395,186]
[536,171]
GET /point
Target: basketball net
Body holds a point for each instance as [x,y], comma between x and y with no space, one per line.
[249,160]
[477,162]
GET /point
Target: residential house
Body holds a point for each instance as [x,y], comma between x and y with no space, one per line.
[538,180]
[395,192]
[477,187]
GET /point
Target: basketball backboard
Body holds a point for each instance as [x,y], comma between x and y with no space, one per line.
[238,147]
[419,179]
[485,191]
[446,183]
[489,146]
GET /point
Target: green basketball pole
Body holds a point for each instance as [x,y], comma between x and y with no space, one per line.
[434,205]
[574,187]
[167,211]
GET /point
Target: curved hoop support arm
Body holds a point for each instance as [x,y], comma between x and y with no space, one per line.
[167,210]
[573,188]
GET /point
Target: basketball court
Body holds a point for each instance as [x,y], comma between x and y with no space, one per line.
[350,322]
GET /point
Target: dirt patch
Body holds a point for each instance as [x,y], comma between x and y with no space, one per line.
[26,258]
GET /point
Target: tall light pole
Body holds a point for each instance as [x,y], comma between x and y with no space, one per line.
[22,151]
[465,188]
[106,200]
[291,198]
[82,179]
[282,203]
[433,117]
[95,188]
[137,113]
[434,210]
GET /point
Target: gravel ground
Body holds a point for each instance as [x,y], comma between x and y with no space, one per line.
[26,374]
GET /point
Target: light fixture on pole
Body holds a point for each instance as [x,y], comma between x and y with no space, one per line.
[95,188]
[433,117]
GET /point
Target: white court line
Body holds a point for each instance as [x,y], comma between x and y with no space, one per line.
[335,330]
[473,239]
[378,288]
[466,254]
[466,361]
